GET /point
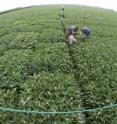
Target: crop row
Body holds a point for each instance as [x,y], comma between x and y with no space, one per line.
[38,80]
[96,72]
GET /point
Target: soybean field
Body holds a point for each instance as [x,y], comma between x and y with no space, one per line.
[40,72]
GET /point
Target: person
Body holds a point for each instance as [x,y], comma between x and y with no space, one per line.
[71,34]
[85,32]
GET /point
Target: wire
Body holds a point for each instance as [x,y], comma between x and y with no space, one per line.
[57,113]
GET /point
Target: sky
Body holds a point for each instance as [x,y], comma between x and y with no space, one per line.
[11,4]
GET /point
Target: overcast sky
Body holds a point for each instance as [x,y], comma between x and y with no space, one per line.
[10,4]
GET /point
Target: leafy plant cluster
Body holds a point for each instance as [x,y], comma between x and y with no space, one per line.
[96,71]
[36,71]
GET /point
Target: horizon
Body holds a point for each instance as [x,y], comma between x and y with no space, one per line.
[14,4]
[57,5]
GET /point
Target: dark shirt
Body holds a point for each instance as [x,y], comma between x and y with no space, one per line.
[71,30]
[86,31]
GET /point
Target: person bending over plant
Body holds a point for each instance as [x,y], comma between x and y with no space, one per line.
[71,34]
